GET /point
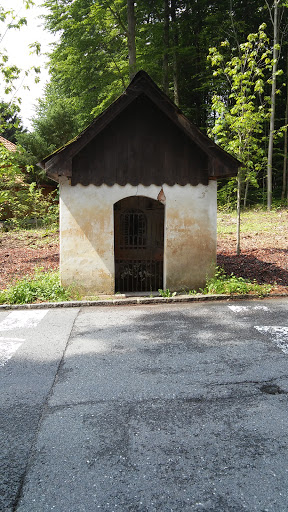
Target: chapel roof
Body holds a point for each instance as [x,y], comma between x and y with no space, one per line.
[88,145]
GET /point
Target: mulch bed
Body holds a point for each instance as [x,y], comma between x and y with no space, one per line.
[264,264]
[21,262]
[21,255]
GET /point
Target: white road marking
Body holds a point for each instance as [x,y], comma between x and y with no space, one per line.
[241,309]
[278,334]
[22,319]
[8,347]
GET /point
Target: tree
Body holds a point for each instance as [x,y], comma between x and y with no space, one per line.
[240,115]
[284,174]
[19,198]
[131,37]
[56,123]
[11,123]
[89,66]
[99,40]
[276,48]
[19,195]
[9,20]
[175,35]
[9,72]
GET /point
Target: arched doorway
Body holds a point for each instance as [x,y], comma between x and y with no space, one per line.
[139,244]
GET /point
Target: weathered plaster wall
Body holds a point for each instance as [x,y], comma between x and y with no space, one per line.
[190,238]
[87,234]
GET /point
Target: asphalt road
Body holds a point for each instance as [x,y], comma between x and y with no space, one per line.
[145,408]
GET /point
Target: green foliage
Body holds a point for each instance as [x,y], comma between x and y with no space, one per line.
[221,284]
[226,194]
[44,286]
[56,124]
[89,66]
[166,293]
[11,178]
[10,121]
[240,116]
[89,69]
[10,19]
[20,199]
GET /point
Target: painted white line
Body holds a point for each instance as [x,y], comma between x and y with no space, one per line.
[12,339]
[278,334]
[8,347]
[244,309]
[22,319]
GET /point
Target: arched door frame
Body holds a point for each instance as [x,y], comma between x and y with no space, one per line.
[138,244]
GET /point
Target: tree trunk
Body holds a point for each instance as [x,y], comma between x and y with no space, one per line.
[131,37]
[246,193]
[239,185]
[273,100]
[166,48]
[175,53]
[284,184]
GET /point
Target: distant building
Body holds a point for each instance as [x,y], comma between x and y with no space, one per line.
[8,145]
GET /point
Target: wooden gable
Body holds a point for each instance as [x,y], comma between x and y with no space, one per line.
[142,138]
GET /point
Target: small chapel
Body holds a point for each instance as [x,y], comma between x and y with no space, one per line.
[138,197]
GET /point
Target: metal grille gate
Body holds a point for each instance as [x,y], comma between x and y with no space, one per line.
[139,240]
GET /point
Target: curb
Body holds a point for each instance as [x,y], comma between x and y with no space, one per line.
[133,301]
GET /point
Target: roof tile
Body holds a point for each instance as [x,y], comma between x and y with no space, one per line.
[8,145]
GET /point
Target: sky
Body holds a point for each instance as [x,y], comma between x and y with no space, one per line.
[16,42]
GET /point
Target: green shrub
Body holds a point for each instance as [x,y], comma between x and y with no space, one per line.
[220,283]
[42,287]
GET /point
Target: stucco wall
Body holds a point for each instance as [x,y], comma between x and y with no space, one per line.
[87,234]
[191,235]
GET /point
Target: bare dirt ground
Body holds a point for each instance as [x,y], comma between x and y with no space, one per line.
[264,250]
[21,252]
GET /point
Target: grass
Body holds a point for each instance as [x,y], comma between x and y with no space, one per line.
[35,238]
[43,287]
[252,221]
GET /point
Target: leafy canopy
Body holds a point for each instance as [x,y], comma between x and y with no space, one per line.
[241,111]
